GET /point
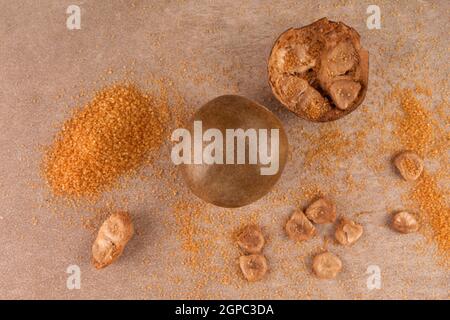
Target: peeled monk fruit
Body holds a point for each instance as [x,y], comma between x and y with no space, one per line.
[112,238]
[320,71]
[233,152]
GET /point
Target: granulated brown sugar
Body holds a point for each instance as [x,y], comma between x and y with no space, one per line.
[332,145]
[414,127]
[110,136]
[436,212]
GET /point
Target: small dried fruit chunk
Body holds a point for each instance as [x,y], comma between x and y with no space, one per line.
[312,102]
[342,58]
[295,59]
[344,92]
[321,211]
[112,237]
[405,222]
[326,265]
[293,88]
[251,239]
[253,267]
[348,232]
[299,228]
[409,164]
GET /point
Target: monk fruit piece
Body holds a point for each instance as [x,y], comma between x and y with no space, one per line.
[321,211]
[405,222]
[409,164]
[320,71]
[299,228]
[253,267]
[250,239]
[326,265]
[112,238]
[238,153]
[348,232]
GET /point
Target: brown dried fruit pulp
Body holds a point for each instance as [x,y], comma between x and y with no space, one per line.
[112,238]
[321,211]
[348,232]
[326,265]
[253,266]
[405,222]
[409,164]
[320,71]
[299,228]
[251,239]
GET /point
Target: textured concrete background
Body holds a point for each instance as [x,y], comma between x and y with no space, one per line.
[205,48]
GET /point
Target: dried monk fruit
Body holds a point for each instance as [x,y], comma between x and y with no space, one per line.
[244,179]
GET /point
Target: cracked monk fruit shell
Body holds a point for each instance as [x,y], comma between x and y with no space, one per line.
[320,71]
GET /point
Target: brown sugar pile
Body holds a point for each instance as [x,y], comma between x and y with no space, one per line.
[110,136]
